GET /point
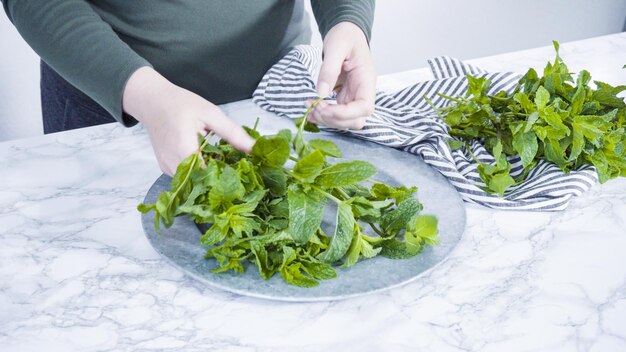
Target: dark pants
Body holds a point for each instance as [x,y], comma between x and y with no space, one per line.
[64,107]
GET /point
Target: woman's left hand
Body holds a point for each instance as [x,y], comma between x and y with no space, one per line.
[347,62]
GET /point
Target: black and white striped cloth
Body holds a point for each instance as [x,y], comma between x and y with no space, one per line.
[406,121]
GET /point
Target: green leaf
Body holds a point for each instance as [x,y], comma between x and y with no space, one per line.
[261,259]
[308,126]
[285,134]
[279,208]
[477,87]
[554,153]
[578,142]
[293,275]
[423,229]
[589,127]
[274,179]
[530,82]
[166,207]
[525,102]
[342,237]
[532,118]
[271,151]
[326,147]
[250,202]
[144,208]
[305,213]
[542,97]
[345,174]
[240,224]
[554,119]
[366,210]
[168,202]
[354,251]
[310,165]
[396,220]
[212,236]
[454,118]
[578,100]
[251,132]
[320,271]
[525,144]
[199,212]
[499,183]
[396,249]
[227,188]
[501,161]
[367,250]
[381,191]
[607,95]
[455,144]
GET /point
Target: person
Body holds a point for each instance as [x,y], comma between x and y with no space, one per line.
[168,64]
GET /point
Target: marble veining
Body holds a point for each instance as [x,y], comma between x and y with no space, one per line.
[77,273]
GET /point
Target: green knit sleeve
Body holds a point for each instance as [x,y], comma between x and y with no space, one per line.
[330,12]
[72,38]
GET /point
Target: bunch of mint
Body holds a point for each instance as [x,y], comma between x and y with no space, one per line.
[270,215]
[553,117]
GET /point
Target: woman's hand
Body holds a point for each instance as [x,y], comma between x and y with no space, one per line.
[348,62]
[174,116]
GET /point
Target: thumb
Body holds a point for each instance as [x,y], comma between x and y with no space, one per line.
[330,70]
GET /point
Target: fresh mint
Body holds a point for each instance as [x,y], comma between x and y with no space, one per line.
[554,117]
[270,215]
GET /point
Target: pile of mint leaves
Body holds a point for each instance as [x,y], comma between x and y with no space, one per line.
[269,214]
[553,117]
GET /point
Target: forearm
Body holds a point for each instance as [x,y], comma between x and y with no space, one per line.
[70,37]
[328,13]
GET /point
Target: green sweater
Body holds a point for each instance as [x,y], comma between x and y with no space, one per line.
[218,49]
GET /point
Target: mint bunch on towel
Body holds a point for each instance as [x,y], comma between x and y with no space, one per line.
[555,117]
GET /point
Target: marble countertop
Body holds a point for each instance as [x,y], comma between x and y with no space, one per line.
[77,273]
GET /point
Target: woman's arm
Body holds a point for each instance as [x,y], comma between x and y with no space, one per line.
[70,37]
[329,13]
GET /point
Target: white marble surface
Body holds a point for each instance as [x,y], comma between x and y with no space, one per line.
[77,273]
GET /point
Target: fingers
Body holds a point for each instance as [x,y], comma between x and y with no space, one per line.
[224,127]
[351,115]
[334,57]
[183,143]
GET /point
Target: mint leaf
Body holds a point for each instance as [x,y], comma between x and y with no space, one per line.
[326,147]
[542,98]
[310,166]
[396,249]
[396,220]
[271,151]
[422,229]
[227,188]
[526,146]
[308,126]
[345,174]
[274,179]
[342,237]
[305,213]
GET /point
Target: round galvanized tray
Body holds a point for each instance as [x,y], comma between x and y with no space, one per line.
[180,245]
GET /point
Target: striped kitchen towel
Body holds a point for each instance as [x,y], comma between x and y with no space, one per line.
[406,121]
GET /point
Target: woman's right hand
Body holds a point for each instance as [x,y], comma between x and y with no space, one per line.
[173,117]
